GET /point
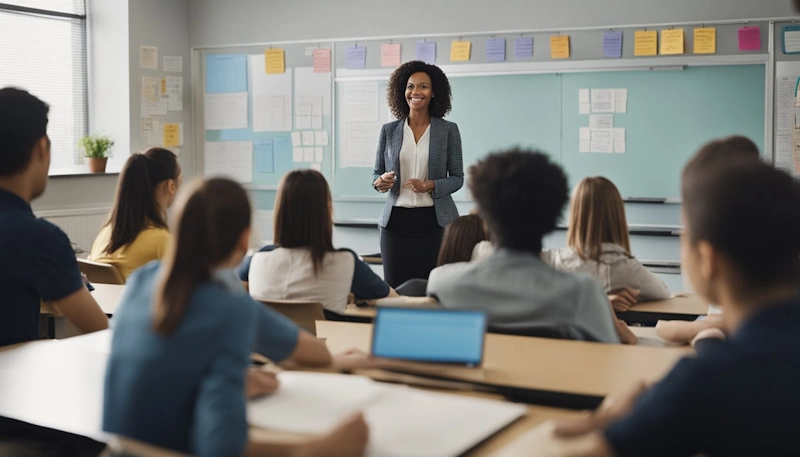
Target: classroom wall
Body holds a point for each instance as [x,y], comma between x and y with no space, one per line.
[215,22]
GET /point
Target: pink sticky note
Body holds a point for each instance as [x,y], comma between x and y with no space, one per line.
[750,38]
[390,55]
[322,61]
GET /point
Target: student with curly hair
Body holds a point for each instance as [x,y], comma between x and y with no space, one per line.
[419,163]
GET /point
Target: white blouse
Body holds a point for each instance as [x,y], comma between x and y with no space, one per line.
[414,164]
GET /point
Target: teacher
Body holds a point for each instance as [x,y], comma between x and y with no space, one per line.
[419,163]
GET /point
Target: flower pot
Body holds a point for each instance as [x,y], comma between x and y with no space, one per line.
[98,165]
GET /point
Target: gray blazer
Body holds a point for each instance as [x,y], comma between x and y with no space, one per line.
[445,166]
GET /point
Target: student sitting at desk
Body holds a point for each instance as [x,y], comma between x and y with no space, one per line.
[136,232]
[520,195]
[37,262]
[598,245]
[303,264]
[737,397]
[461,238]
[177,373]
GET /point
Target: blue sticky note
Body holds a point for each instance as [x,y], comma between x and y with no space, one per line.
[355,57]
[496,50]
[282,148]
[226,73]
[264,156]
[426,51]
[612,44]
[523,48]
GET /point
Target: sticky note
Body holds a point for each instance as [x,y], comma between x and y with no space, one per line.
[163,86]
[426,51]
[264,152]
[671,42]
[705,40]
[645,43]
[791,39]
[390,55]
[523,48]
[559,47]
[308,139]
[275,61]
[318,155]
[322,60]
[297,139]
[750,38]
[612,44]
[355,57]
[460,50]
[172,135]
[496,50]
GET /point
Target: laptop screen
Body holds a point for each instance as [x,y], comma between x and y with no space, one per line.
[429,335]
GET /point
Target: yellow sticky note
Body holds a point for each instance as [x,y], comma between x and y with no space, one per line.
[172,135]
[163,86]
[705,40]
[459,51]
[275,61]
[559,47]
[672,41]
[645,43]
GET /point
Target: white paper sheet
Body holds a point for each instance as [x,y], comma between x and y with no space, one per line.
[791,41]
[316,122]
[151,131]
[233,159]
[585,134]
[308,154]
[583,96]
[175,102]
[585,146]
[621,107]
[361,102]
[308,139]
[302,115]
[318,155]
[174,85]
[158,108]
[585,108]
[306,82]
[272,97]
[783,148]
[173,64]
[297,154]
[786,100]
[621,95]
[359,144]
[321,138]
[151,89]
[148,57]
[226,111]
[602,146]
[297,139]
[603,100]
[602,135]
[601,121]
[619,147]
[619,140]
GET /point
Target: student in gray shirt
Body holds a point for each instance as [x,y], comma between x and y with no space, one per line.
[521,195]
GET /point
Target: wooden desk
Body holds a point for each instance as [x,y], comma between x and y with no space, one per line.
[558,370]
[682,307]
[107,296]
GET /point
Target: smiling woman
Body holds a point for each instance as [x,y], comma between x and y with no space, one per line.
[419,163]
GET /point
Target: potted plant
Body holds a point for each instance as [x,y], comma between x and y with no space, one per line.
[97,148]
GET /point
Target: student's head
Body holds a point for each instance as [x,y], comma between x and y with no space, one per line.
[146,189]
[303,214]
[419,86]
[725,149]
[211,232]
[741,225]
[521,195]
[597,216]
[460,238]
[24,145]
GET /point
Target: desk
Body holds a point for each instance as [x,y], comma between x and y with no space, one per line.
[107,296]
[681,307]
[560,367]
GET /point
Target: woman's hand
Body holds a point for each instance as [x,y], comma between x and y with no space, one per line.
[419,186]
[260,382]
[385,182]
[622,299]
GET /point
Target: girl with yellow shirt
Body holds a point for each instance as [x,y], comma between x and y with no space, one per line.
[136,231]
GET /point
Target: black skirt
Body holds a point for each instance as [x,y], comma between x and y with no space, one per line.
[410,244]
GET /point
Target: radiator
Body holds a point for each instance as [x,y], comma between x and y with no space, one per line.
[80,225]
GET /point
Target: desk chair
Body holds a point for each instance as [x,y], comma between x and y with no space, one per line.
[303,313]
[126,447]
[100,273]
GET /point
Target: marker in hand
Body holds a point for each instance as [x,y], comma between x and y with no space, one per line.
[389,176]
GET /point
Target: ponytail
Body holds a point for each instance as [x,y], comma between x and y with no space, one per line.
[135,205]
[211,218]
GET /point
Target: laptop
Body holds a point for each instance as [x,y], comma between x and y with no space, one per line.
[429,335]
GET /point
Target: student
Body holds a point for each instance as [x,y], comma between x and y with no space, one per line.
[303,264]
[183,335]
[460,239]
[598,244]
[37,262]
[136,232]
[521,195]
[736,397]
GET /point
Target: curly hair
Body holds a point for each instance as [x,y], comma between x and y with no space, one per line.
[396,92]
[521,195]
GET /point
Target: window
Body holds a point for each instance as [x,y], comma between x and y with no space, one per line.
[43,50]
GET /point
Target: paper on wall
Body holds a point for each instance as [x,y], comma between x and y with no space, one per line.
[585,133]
[173,64]
[321,138]
[297,154]
[316,122]
[308,138]
[360,139]
[226,111]
[297,139]
[308,154]
[272,97]
[585,146]
[585,108]
[601,121]
[361,102]
[318,155]
[583,96]
[148,57]
[151,89]
[602,146]
[621,107]
[230,158]
[158,108]
[308,83]
[603,100]
[619,140]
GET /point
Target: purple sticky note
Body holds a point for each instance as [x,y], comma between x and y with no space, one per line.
[750,38]
[523,48]
[612,44]
[355,57]
[496,50]
[426,51]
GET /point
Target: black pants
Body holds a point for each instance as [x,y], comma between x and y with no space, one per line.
[410,244]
